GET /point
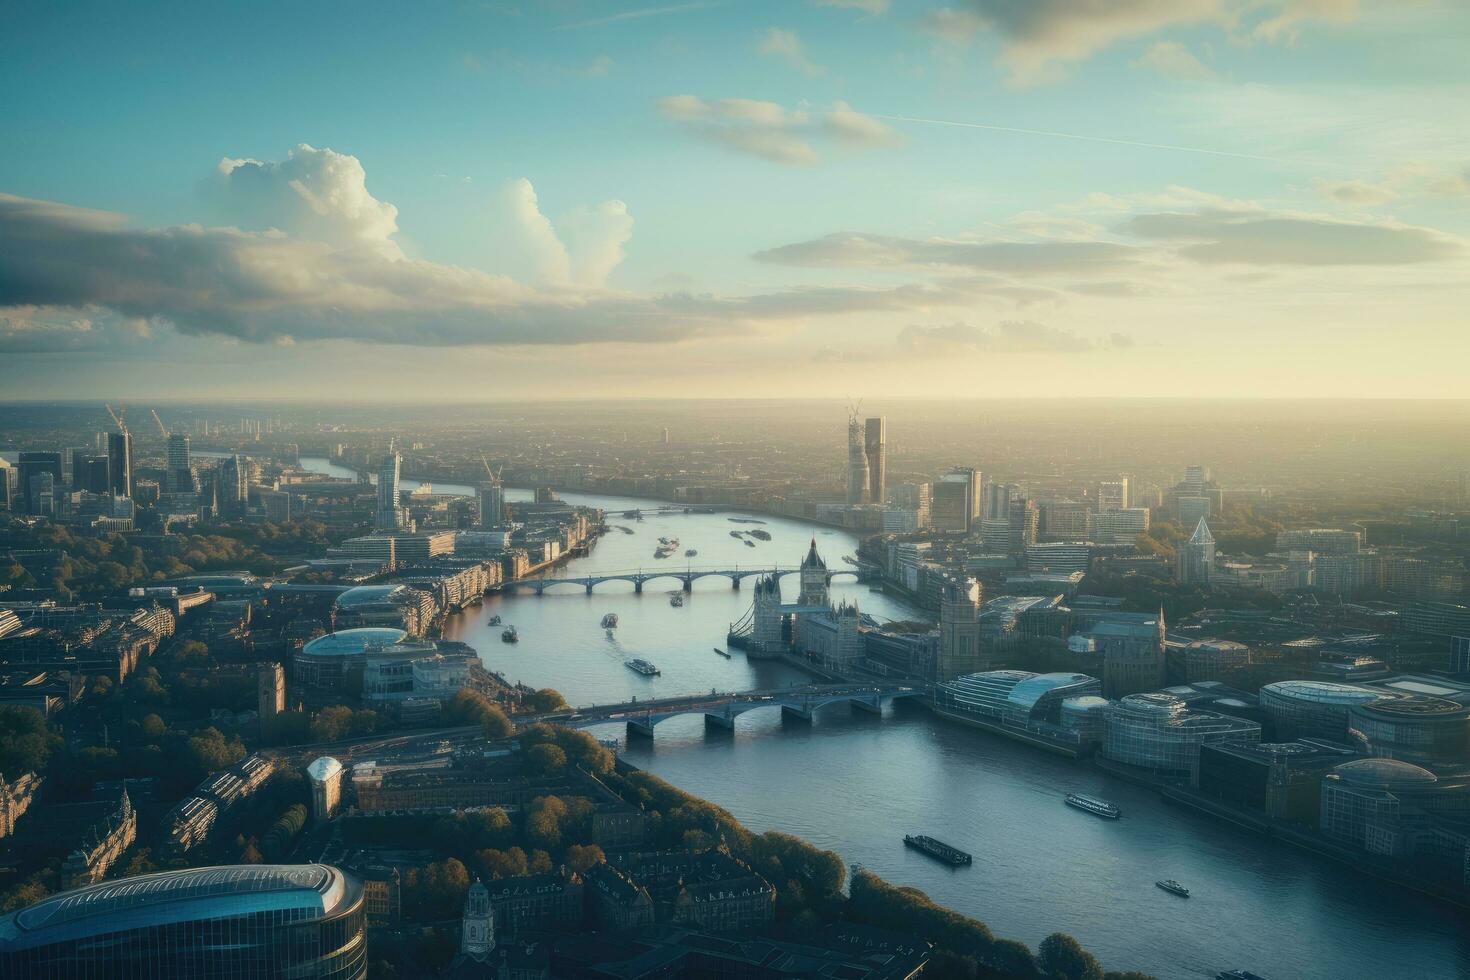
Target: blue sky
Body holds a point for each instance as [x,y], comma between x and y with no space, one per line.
[468,200]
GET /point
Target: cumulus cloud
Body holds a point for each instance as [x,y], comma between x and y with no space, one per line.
[1173,60]
[1257,237]
[773,132]
[595,237]
[1041,37]
[784,45]
[857,250]
[318,194]
[534,231]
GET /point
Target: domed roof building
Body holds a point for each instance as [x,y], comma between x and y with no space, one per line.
[394,606]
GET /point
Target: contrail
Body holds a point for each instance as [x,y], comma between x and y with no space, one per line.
[676,8]
[1079,136]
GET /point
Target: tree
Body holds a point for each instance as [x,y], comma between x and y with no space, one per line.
[580,857]
[26,742]
[545,760]
[1062,956]
[210,751]
[152,727]
[545,700]
[544,821]
[331,724]
[496,724]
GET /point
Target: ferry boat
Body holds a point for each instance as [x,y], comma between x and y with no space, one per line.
[509,635]
[735,534]
[749,543]
[1100,808]
[762,535]
[1173,887]
[937,849]
[494,621]
[643,667]
[722,653]
[610,621]
[676,601]
[690,552]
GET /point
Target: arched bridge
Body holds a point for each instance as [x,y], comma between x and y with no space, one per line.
[685,577]
[721,709]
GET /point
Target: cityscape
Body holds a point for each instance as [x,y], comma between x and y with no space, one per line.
[782,490]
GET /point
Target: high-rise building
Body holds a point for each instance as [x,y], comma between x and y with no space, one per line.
[233,492]
[120,463]
[1192,509]
[179,477]
[955,500]
[287,920]
[1120,526]
[1112,495]
[875,444]
[88,471]
[7,475]
[1024,519]
[31,465]
[915,497]
[857,462]
[325,778]
[390,513]
[492,504]
[1195,560]
[959,630]
[995,501]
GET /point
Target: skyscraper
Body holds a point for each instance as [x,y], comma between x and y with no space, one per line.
[390,514]
[1196,557]
[492,504]
[875,446]
[120,463]
[955,500]
[179,478]
[32,465]
[857,462]
[234,486]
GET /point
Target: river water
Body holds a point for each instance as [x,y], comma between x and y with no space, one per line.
[856,784]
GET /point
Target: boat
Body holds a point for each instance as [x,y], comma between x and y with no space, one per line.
[736,534]
[676,601]
[494,621]
[509,635]
[1100,808]
[937,849]
[610,634]
[610,621]
[749,543]
[1238,975]
[662,551]
[761,535]
[690,552]
[643,667]
[744,520]
[722,653]
[1173,887]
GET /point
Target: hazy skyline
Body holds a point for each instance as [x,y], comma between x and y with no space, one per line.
[1212,198]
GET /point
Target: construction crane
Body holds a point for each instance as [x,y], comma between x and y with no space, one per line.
[117,417]
[161,427]
[494,475]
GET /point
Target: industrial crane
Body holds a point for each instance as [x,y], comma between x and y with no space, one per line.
[494,475]
[117,417]
[161,427]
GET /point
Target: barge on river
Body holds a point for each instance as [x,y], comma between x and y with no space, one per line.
[938,850]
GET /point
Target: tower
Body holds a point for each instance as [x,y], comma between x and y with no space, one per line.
[1195,561]
[180,478]
[875,444]
[857,462]
[477,925]
[492,504]
[959,630]
[390,515]
[271,687]
[766,621]
[814,589]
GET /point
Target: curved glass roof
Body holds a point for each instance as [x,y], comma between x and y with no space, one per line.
[1385,772]
[175,896]
[364,595]
[1414,706]
[1033,688]
[1322,692]
[347,643]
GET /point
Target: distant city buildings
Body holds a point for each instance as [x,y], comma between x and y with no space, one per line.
[955,500]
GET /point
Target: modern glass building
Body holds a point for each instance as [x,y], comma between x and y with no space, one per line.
[263,922]
[1160,734]
[1417,728]
[335,661]
[1017,703]
[1312,709]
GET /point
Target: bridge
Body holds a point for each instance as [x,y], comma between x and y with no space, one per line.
[686,577]
[720,709]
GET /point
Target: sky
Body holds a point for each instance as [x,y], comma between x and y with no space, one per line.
[459,201]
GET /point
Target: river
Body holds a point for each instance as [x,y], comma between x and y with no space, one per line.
[857,783]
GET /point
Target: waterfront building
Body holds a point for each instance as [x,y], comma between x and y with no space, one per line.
[492,504]
[1279,780]
[325,778]
[915,497]
[875,444]
[1086,718]
[815,590]
[244,921]
[120,463]
[955,500]
[1196,557]
[857,462]
[1387,807]
[1312,709]
[708,889]
[390,514]
[959,629]
[389,606]
[1121,525]
[1417,728]
[1112,495]
[1160,735]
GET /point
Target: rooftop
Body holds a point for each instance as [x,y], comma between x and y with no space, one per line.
[1322,692]
[346,643]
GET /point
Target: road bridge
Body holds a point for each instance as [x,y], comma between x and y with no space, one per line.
[686,577]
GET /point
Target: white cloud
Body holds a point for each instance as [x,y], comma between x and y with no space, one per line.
[534,233]
[595,238]
[1354,191]
[780,43]
[857,250]
[1260,237]
[319,194]
[866,6]
[1173,60]
[773,132]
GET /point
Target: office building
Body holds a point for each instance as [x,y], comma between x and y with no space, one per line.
[325,778]
[996,501]
[1119,525]
[1460,655]
[7,479]
[1112,495]
[262,921]
[1279,780]
[857,462]
[1192,510]
[875,443]
[1059,557]
[492,504]
[1065,520]
[1312,709]
[1023,525]
[915,498]
[1195,560]
[179,477]
[1384,806]
[1417,728]
[1322,540]
[233,486]
[955,500]
[42,494]
[1159,734]
[30,465]
[1016,699]
[390,512]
